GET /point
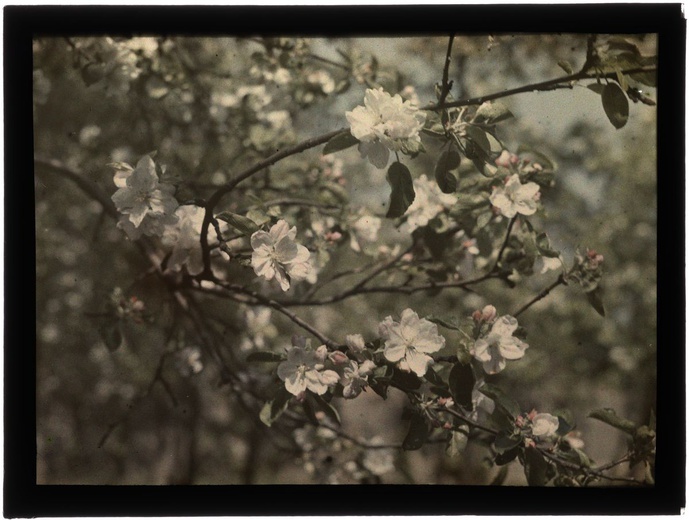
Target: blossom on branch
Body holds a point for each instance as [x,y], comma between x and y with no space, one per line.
[544,425]
[185,239]
[385,123]
[428,203]
[499,345]
[515,197]
[410,341]
[355,377]
[140,193]
[277,255]
[304,369]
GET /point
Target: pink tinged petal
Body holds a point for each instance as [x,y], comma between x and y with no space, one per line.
[296,383]
[418,362]
[314,382]
[281,277]
[394,353]
[261,238]
[494,365]
[329,377]
[303,255]
[263,264]
[279,230]
[285,250]
[427,338]
[481,350]
[120,178]
[504,326]
[361,123]
[299,271]
[510,349]
[528,190]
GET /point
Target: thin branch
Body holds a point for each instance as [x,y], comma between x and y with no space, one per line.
[446,85]
[261,165]
[504,243]
[560,281]
[552,84]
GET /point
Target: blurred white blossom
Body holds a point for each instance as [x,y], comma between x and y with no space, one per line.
[185,239]
[304,369]
[515,197]
[428,203]
[544,425]
[364,230]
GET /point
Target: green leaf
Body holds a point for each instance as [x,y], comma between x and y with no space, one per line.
[596,87]
[506,457]
[478,137]
[610,417]
[502,400]
[417,434]
[458,443]
[451,323]
[326,407]
[543,246]
[505,442]
[649,79]
[595,299]
[492,112]
[340,142]
[264,357]
[243,224]
[449,160]
[274,408]
[535,467]
[461,383]
[615,104]
[112,335]
[402,186]
[407,381]
[379,387]
[432,377]
[566,66]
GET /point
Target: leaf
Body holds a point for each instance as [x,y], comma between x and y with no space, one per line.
[112,335]
[508,456]
[610,417]
[449,160]
[243,224]
[615,104]
[595,299]
[402,186]
[503,401]
[452,323]
[566,66]
[274,408]
[461,383]
[417,434]
[340,142]
[535,467]
[326,407]
[458,443]
[543,246]
[492,112]
[405,380]
[433,378]
[379,387]
[264,357]
[596,87]
[504,442]
[478,137]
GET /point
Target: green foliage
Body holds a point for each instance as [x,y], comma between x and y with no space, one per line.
[449,160]
[417,433]
[402,195]
[340,142]
[244,225]
[615,104]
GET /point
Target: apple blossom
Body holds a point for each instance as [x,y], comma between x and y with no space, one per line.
[544,425]
[385,123]
[410,341]
[140,194]
[355,377]
[515,197]
[499,345]
[277,255]
[363,231]
[304,369]
[428,203]
[184,238]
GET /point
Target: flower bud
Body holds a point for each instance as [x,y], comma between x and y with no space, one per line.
[338,358]
[489,313]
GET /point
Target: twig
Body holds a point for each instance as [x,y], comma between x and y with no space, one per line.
[504,243]
[551,84]
[218,195]
[560,281]
[446,85]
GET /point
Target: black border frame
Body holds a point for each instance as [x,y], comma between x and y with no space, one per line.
[23,498]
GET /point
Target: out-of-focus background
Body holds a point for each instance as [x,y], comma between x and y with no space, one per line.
[102,418]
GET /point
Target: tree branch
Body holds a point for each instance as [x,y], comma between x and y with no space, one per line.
[560,281]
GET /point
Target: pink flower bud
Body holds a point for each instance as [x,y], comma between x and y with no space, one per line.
[477,316]
[514,159]
[338,358]
[519,421]
[504,159]
[489,312]
[529,443]
[533,413]
[447,426]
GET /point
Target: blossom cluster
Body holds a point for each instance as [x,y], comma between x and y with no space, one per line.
[385,123]
[498,344]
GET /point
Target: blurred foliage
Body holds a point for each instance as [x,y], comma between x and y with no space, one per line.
[157,410]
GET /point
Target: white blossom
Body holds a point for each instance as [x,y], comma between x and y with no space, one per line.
[140,194]
[355,342]
[185,239]
[544,425]
[355,377]
[543,264]
[304,369]
[277,255]
[499,345]
[378,460]
[428,203]
[364,231]
[385,123]
[515,197]
[259,327]
[188,361]
[410,341]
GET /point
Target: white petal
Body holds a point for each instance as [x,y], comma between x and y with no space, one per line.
[504,326]
[394,352]
[418,362]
